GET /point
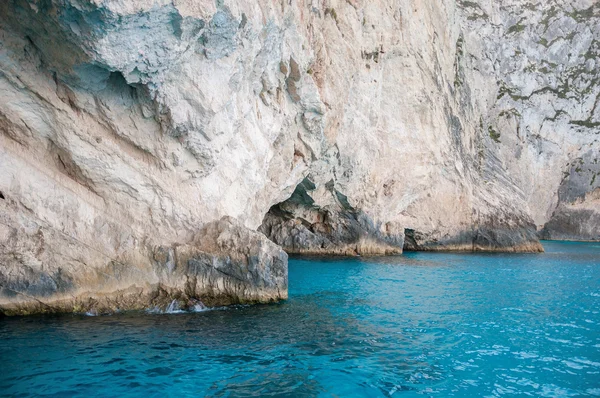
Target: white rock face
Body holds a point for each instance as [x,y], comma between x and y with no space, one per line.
[126,126]
[544,105]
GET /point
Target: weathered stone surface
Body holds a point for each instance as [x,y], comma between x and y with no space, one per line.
[130,125]
[301,227]
[469,132]
[577,220]
[534,68]
[224,264]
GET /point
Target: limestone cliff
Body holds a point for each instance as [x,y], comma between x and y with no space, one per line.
[535,69]
[129,129]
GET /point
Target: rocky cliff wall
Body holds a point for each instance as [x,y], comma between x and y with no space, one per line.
[474,139]
[536,72]
[350,127]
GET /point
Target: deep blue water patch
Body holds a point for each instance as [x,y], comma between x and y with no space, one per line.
[420,324]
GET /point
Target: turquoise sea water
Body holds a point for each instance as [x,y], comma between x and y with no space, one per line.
[421,324]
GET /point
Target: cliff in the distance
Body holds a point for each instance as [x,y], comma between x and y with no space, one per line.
[144,142]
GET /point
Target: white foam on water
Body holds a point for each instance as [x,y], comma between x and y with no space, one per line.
[564,341]
[586,361]
[567,325]
[525,355]
[174,308]
[573,365]
[200,307]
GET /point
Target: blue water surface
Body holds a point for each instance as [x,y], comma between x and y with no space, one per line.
[420,324]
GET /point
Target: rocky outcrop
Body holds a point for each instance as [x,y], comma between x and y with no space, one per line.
[347,127]
[302,227]
[224,264]
[575,220]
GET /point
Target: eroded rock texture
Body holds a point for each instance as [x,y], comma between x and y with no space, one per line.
[332,226]
[224,264]
[535,69]
[347,127]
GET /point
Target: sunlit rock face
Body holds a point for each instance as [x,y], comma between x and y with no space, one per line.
[347,127]
[475,126]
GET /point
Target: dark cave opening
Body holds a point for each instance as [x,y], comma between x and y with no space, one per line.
[410,242]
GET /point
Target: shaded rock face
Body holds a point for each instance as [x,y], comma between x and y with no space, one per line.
[302,227]
[224,264]
[575,220]
[333,126]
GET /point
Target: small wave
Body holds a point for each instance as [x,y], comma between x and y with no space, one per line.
[172,308]
[567,325]
[573,365]
[549,359]
[564,341]
[516,309]
[200,307]
[495,350]
[587,362]
[175,308]
[525,355]
[464,365]
[551,390]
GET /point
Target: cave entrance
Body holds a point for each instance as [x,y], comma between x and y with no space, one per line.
[319,220]
[410,243]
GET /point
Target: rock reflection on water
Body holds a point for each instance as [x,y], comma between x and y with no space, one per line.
[418,324]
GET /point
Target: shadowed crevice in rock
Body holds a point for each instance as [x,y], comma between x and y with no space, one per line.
[301,226]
